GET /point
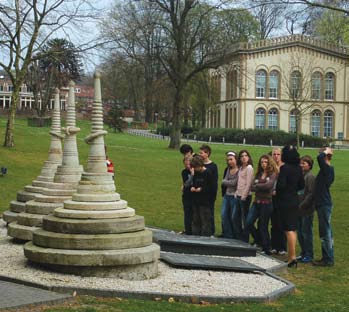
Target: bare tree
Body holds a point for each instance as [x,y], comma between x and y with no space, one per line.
[25,26]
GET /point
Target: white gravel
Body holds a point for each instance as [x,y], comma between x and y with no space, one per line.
[170,280]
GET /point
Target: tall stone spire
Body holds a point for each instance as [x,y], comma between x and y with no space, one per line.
[48,170]
[53,194]
[96,233]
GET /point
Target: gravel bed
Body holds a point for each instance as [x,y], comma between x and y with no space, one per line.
[170,280]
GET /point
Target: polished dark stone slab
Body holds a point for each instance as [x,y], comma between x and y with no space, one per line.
[190,244]
[208,262]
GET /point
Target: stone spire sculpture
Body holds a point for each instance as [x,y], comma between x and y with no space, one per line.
[96,233]
[48,170]
[53,194]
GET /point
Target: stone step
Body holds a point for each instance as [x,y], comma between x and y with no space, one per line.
[33,189]
[35,207]
[98,197]
[96,226]
[190,244]
[92,241]
[30,219]
[41,183]
[9,216]
[114,205]
[61,186]
[23,196]
[51,199]
[17,206]
[131,263]
[45,178]
[57,192]
[98,214]
[21,232]
[89,188]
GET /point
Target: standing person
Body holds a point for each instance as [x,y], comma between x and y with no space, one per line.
[306,210]
[262,207]
[289,182]
[187,196]
[201,189]
[278,238]
[323,204]
[205,153]
[186,150]
[229,184]
[243,194]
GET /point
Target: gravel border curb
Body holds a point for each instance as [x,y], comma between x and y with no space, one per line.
[157,296]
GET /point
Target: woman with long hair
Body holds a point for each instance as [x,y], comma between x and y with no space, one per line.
[229,184]
[243,194]
[262,206]
[290,182]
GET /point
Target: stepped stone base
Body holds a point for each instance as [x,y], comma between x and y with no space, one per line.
[40,183]
[21,232]
[99,214]
[102,197]
[99,226]
[23,196]
[131,263]
[92,242]
[30,219]
[10,216]
[51,199]
[76,205]
[17,206]
[33,189]
[58,192]
[35,207]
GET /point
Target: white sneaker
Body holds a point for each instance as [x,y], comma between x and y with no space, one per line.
[274,251]
[282,252]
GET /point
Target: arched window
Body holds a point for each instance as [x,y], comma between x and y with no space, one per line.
[293,120]
[273,119]
[260,118]
[296,84]
[328,124]
[316,86]
[261,83]
[273,84]
[315,123]
[329,86]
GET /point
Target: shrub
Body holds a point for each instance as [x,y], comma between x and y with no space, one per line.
[255,137]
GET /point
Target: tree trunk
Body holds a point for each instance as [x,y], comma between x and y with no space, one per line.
[175,131]
[9,135]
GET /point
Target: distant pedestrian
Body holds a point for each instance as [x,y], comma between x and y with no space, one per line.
[205,153]
[229,185]
[306,211]
[324,206]
[201,189]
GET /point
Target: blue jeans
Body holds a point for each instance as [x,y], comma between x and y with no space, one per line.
[239,217]
[228,206]
[262,212]
[324,213]
[305,236]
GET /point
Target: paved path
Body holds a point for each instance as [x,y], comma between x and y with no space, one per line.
[14,295]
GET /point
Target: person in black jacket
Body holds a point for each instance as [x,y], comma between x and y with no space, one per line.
[205,153]
[323,204]
[289,182]
[187,196]
[202,188]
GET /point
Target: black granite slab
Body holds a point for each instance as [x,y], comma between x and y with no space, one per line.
[208,262]
[190,244]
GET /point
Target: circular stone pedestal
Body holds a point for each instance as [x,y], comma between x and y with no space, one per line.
[131,263]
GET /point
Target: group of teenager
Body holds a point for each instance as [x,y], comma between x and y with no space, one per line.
[286,194]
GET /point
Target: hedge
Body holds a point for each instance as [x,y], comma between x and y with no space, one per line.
[255,137]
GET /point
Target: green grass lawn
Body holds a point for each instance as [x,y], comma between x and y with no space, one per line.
[148,177]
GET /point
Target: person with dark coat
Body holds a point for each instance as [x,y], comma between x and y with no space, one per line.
[306,211]
[323,204]
[289,183]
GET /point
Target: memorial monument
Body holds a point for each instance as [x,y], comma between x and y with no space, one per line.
[53,194]
[95,233]
[47,172]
